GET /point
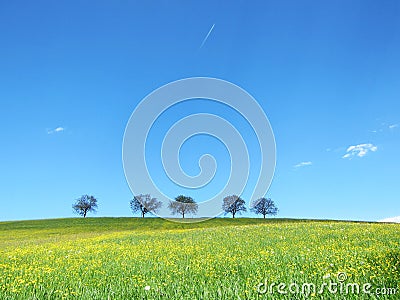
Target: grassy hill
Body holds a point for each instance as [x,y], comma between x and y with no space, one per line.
[133,258]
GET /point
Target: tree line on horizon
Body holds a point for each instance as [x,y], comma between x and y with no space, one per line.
[183,205]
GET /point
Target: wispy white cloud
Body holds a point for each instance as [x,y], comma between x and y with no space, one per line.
[303,164]
[391,220]
[384,127]
[55,130]
[58,129]
[359,150]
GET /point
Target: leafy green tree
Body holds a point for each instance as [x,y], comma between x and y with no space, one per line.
[233,204]
[145,204]
[85,204]
[183,205]
[264,206]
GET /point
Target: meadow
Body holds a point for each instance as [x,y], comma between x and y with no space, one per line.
[151,258]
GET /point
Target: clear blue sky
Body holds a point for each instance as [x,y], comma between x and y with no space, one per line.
[327,74]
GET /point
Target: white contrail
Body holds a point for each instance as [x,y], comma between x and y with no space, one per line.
[208,34]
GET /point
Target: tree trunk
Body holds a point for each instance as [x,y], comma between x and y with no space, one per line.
[264,216]
[233,215]
[84,214]
[183,215]
[142,214]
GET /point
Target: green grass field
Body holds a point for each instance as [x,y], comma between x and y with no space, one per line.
[130,258]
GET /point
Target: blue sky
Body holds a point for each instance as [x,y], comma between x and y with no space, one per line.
[327,75]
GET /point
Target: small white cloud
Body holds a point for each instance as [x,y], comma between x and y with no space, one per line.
[393,126]
[391,220]
[58,129]
[359,150]
[303,164]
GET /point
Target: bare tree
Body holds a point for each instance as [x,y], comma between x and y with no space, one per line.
[233,204]
[85,204]
[145,204]
[264,206]
[183,205]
